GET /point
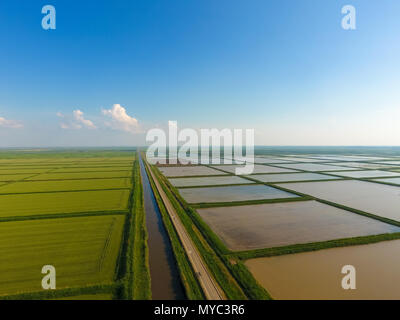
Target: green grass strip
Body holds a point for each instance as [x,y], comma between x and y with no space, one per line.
[141,271]
[192,287]
[313,246]
[214,263]
[133,268]
[67,292]
[247,202]
[63,215]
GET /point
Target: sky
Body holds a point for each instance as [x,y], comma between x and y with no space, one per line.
[112,70]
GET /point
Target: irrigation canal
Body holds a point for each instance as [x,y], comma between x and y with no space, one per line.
[165,279]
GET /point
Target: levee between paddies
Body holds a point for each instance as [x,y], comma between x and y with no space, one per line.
[233,193]
[347,158]
[17,205]
[287,223]
[65,185]
[301,159]
[389,180]
[362,165]
[315,167]
[83,251]
[378,199]
[368,174]
[317,275]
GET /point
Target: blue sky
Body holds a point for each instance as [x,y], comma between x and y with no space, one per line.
[283,67]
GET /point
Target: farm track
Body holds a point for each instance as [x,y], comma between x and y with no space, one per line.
[106,245]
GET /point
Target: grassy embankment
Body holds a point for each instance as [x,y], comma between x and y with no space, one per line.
[192,287]
[134,259]
[226,272]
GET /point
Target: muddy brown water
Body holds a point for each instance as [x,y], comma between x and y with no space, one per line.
[317,275]
[165,279]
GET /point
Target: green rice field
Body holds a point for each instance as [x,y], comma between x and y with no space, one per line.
[99,296]
[93,169]
[83,250]
[65,185]
[23,170]
[82,175]
[14,177]
[15,205]
[65,209]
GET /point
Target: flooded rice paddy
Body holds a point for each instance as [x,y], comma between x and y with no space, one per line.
[368,174]
[280,224]
[314,167]
[250,226]
[233,193]
[379,199]
[361,165]
[208,181]
[302,176]
[391,163]
[390,180]
[187,171]
[258,168]
[348,158]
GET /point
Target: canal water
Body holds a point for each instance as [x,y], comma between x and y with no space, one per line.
[165,279]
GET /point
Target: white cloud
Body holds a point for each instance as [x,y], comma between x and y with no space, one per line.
[121,120]
[10,123]
[76,122]
[78,115]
